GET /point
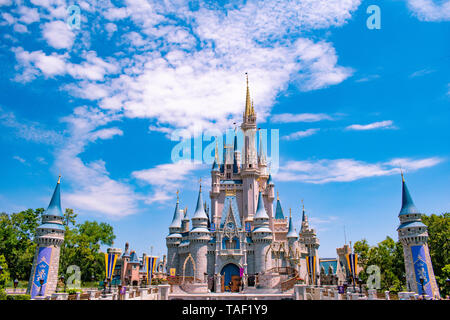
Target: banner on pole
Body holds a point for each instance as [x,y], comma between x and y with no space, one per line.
[110,264]
[172,272]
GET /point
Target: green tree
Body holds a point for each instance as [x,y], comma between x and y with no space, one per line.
[4,277]
[82,247]
[17,232]
[439,246]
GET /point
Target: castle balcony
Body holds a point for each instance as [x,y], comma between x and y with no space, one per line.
[231,252]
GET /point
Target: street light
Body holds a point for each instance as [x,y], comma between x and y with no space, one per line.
[423,291]
[41,282]
[64,282]
[16,282]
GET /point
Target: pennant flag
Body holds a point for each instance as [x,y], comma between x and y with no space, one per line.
[248,227]
[311,265]
[212,227]
[110,264]
[151,266]
[352,262]
[172,272]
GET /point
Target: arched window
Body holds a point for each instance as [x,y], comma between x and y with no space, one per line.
[236,243]
[225,242]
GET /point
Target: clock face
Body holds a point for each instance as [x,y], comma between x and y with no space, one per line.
[230,226]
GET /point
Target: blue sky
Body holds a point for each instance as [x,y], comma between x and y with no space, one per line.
[98,104]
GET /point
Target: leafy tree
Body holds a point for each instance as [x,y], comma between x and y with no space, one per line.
[4,277]
[17,232]
[388,256]
[82,247]
[439,246]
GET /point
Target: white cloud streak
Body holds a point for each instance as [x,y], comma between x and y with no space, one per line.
[347,170]
[388,124]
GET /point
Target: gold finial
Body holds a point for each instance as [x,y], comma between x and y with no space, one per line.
[200,182]
[278,196]
[303,206]
[248,106]
[178,197]
[59,179]
[217,152]
[290,213]
[403,177]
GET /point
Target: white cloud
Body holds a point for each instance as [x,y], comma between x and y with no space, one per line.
[388,124]
[300,134]
[20,28]
[429,10]
[94,191]
[58,34]
[28,15]
[167,178]
[301,117]
[30,131]
[420,73]
[346,170]
[20,159]
[5,2]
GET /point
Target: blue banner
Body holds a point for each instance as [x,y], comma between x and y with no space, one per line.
[41,272]
[421,269]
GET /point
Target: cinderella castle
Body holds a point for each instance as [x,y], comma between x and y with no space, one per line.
[241,239]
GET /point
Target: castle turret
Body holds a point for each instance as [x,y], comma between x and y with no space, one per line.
[199,237]
[292,234]
[262,237]
[173,240]
[413,235]
[308,238]
[49,238]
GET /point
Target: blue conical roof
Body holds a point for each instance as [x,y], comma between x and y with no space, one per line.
[291,232]
[279,211]
[408,206]
[261,211]
[200,210]
[54,208]
[215,166]
[177,217]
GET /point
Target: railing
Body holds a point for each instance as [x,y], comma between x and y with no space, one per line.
[288,284]
[180,279]
[228,252]
[283,270]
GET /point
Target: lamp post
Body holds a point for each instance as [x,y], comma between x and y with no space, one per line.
[16,282]
[41,282]
[63,281]
[360,287]
[421,283]
[104,288]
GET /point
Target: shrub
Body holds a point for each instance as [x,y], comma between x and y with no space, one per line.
[18,297]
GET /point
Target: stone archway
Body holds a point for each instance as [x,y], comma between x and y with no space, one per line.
[188,258]
[230,273]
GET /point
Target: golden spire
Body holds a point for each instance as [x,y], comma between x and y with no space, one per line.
[401,172]
[303,206]
[178,198]
[200,182]
[278,196]
[290,213]
[59,179]
[217,152]
[248,106]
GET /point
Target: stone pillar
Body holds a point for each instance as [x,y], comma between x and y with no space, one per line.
[77,295]
[336,294]
[217,284]
[164,291]
[386,295]
[372,294]
[300,291]
[143,292]
[60,295]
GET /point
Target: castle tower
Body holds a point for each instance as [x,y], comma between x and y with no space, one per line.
[199,237]
[49,238]
[309,239]
[173,240]
[249,170]
[413,235]
[262,236]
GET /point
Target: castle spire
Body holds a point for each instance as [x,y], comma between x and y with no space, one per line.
[249,111]
[279,211]
[408,206]
[200,209]
[291,232]
[54,207]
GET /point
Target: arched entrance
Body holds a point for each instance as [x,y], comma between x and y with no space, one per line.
[230,274]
